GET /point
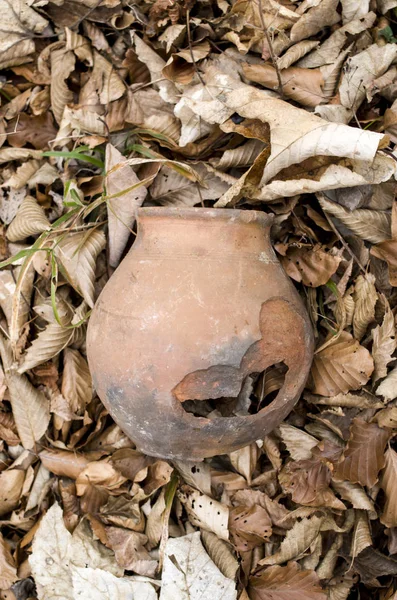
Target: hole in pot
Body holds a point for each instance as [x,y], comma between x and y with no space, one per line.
[258,391]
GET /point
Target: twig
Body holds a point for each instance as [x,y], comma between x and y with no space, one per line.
[272,55]
[344,244]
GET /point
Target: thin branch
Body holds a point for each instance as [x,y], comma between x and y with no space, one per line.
[271,51]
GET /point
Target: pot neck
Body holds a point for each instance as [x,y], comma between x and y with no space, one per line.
[203,232]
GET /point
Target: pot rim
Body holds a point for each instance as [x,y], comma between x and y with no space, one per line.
[231,214]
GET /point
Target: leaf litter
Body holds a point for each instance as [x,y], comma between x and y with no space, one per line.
[283,106]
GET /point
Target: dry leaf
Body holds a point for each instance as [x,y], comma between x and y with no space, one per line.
[221,554]
[384,337]
[205,512]
[122,209]
[98,584]
[299,443]
[308,483]
[196,474]
[343,365]
[387,250]
[77,253]
[171,188]
[55,552]
[29,220]
[189,573]
[361,534]
[355,494]
[304,86]
[62,64]
[370,225]
[19,23]
[285,583]
[11,484]
[76,381]
[37,130]
[363,457]
[388,387]
[48,344]
[8,571]
[296,52]
[365,298]
[323,14]
[389,485]
[244,460]
[29,405]
[130,552]
[249,527]
[64,463]
[312,266]
[296,542]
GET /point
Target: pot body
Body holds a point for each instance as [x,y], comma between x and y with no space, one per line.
[198,304]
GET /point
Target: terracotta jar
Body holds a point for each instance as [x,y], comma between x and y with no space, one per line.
[198,306]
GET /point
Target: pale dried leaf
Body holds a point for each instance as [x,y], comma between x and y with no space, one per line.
[196,474]
[189,573]
[19,23]
[243,156]
[297,51]
[388,387]
[354,9]
[244,460]
[384,337]
[155,520]
[62,64]
[48,344]
[296,542]
[39,487]
[77,253]
[342,366]
[55,551]
[29,220]
[389,485]
[361,70]
[205,512]
[171,188]
[361,534]
[370,225]
[299,443]
[355,494]
[315,19]
[249,526]
[365,298]
[363,457]
[122,209]
[97,584]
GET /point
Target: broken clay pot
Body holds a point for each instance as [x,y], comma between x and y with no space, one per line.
[199,305]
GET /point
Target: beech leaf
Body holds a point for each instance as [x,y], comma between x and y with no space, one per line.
[48,344]
[285,583]
[29,220]
[77,253]
[97,584]
[384,337]
[342,366]
[8,571]
[388,387]
[296,542]
[221,554]
[363,457]
[205,512]
[29,405]
[122,209]
[76,381]
[371,225]
[389,486]
[190,574]
[365,298]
